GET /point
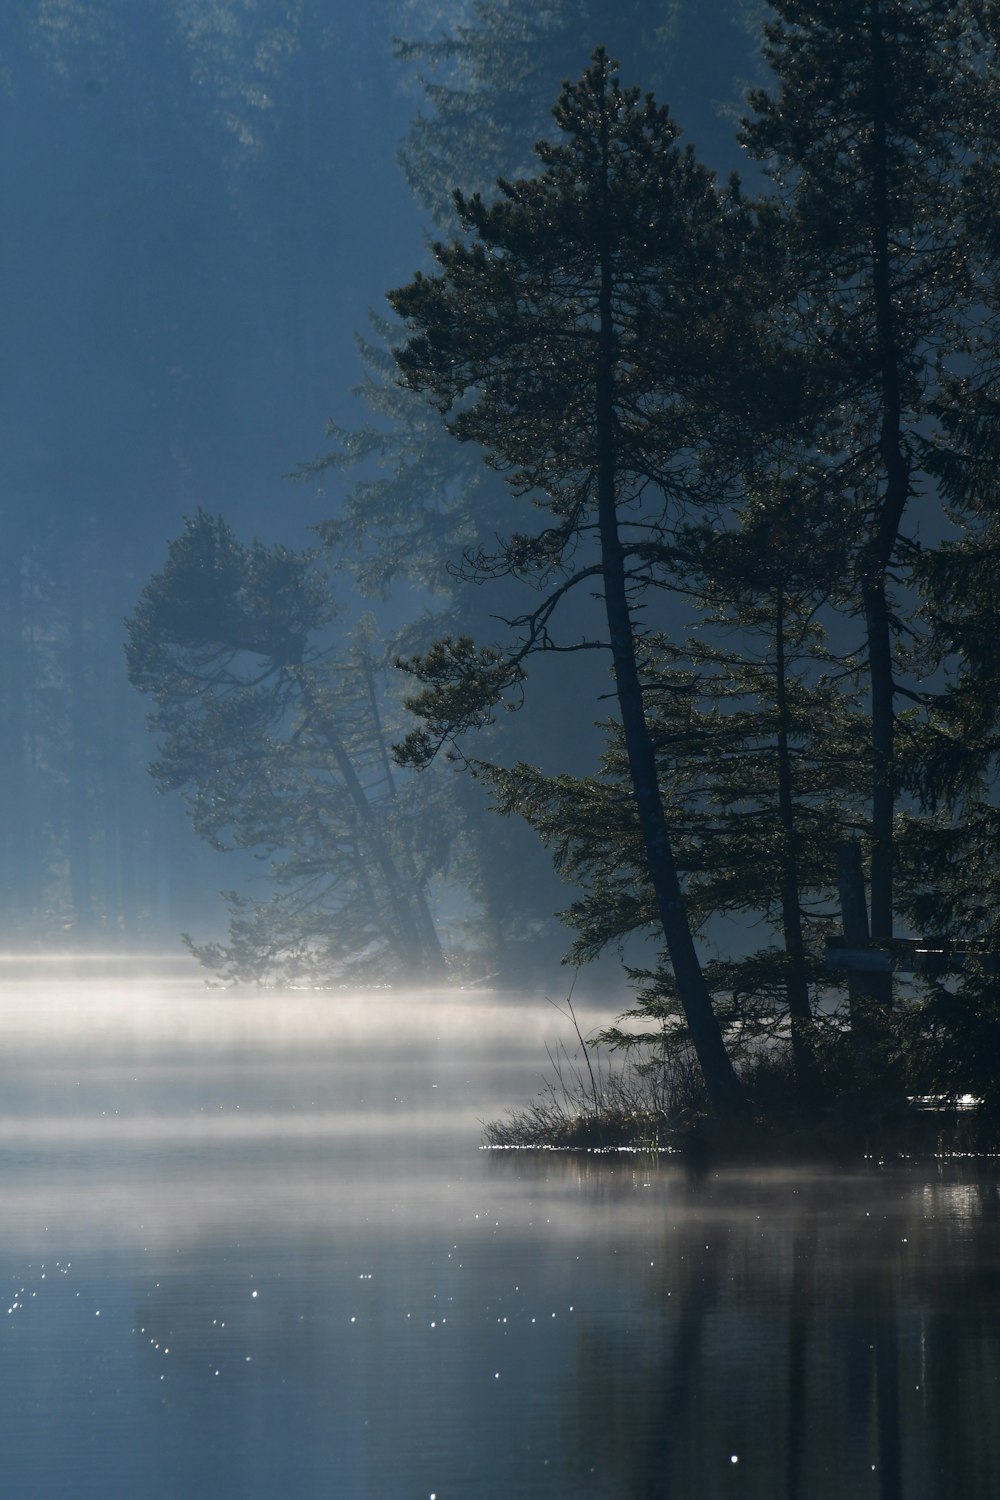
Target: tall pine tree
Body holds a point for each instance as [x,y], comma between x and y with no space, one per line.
[589,336]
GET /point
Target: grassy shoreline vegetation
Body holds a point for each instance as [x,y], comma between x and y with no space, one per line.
[634,1113]
[655,1101]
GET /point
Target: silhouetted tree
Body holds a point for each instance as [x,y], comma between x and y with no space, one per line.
[421,502]
[865,135]
[584,339]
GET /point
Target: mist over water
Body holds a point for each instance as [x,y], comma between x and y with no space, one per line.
[251,1247]
[242,1093]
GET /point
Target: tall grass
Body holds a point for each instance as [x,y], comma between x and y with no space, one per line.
[586,1103]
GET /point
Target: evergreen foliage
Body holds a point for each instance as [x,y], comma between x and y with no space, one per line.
[860,295]
[592,335]
[488,96]
[762,759]
[866,137]
[420,505]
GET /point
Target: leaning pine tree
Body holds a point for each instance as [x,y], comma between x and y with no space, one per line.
[586,335]
[277,746]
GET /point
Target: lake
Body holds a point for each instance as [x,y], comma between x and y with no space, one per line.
[251,1250]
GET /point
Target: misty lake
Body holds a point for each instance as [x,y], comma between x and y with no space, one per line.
[251,1249]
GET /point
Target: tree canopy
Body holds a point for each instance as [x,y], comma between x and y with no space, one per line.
[646,356]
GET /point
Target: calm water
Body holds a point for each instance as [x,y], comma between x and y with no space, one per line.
[250,1250]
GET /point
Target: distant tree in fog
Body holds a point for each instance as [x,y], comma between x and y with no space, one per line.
[75,839]
[277,745]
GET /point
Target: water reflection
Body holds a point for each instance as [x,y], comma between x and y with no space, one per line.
[824,1334]
[251,1249]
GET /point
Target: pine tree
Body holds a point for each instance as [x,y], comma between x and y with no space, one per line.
[864,135]
[950,882]
[588,337]
[492,79]
[278,746]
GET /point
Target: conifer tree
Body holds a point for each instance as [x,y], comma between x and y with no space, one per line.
[582,336]
[420,502]
[277,745]
[864,135]
[490,83]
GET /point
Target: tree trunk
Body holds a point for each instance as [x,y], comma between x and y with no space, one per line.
[886,520]
[422,911]
[427,959]
[883,769]
[864,990]
[796,983]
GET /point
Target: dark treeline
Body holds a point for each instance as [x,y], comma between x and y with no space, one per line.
[780,410]
[666,504]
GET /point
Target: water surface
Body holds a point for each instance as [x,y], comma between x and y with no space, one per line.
[250,1248]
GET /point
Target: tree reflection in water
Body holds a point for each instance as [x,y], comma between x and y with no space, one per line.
[808,1335]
